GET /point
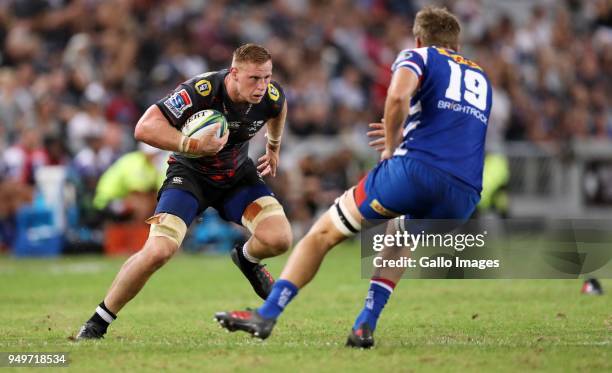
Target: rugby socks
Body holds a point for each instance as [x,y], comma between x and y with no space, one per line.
[247,256]
[282,293]
[103,317]
[379,292]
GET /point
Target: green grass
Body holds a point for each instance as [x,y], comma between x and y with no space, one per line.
[428,325]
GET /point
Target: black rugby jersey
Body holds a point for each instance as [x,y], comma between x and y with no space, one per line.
[207,91]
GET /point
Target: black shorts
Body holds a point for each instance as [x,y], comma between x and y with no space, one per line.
[230,200]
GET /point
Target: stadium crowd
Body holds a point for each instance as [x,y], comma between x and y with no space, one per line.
[75,76]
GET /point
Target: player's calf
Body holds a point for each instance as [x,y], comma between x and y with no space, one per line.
[167,232]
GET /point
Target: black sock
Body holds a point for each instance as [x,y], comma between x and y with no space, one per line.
[103,317]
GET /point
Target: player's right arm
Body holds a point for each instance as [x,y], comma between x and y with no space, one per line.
[407,71]
[154,129]
[397,107]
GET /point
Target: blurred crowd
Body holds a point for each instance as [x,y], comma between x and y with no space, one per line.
[75,76]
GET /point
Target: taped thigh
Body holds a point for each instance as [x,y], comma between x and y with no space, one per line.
[341,216]
[167,225]
[260,209]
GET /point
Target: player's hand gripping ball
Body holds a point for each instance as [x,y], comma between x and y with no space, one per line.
[203,126]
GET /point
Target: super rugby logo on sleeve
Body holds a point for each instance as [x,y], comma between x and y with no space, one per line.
[178,102]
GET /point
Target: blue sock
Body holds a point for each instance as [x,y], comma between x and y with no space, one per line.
[282,293]
[378,294]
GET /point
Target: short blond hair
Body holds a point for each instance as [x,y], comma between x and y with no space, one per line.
[437,26]
[251,53]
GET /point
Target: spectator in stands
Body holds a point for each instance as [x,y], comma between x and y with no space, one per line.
[552,68]
[128,189]
[24,157]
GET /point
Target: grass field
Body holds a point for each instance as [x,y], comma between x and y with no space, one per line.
[428,325]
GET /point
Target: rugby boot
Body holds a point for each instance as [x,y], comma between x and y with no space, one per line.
[248,321]
[363,337]
[90,330]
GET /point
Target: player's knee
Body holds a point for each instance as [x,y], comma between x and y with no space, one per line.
[277,241]
[324,236]
[159,252]
[266,220]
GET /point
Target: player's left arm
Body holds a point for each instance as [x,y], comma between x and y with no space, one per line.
[268,163]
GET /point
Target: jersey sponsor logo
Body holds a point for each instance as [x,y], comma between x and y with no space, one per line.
[203,87]
[178,102]
[273,93]
[177,180]
[459,59]
[457,107]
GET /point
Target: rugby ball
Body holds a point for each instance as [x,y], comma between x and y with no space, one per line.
[201,123]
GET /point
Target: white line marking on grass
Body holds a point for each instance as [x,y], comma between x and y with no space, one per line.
[87,267]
